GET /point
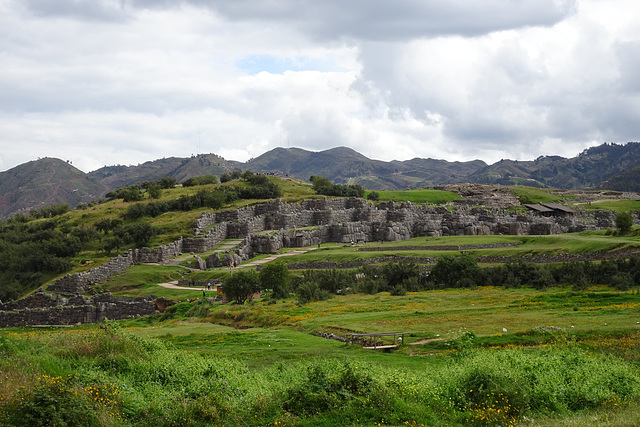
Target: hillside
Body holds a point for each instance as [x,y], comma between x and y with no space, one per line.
[344,165]
[45,182]
[608,166]
[589,169]
[628,179]
[177,167]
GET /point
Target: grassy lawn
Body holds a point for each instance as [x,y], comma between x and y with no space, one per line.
[417,196]
[486,311]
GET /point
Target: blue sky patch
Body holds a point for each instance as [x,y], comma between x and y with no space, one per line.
[254,64]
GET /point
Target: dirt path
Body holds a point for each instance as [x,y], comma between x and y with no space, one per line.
[272,257]
[426,341]
[174,285]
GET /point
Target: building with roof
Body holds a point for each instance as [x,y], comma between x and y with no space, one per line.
[550,209]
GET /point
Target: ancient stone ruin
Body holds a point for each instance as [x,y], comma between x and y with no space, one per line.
[266,228]
[46,309]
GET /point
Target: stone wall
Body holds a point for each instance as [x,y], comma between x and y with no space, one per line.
[342,220]
[45,309]
[161,254]
[81,282]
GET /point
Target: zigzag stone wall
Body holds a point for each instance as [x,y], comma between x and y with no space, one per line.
[341,220]
[333,220]
[81,282]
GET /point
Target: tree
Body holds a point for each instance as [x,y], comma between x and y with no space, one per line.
[168,182]
[155,191]
[276,276]
[191,182]
[455,271]
[624,221]
[241,286]
[374,195]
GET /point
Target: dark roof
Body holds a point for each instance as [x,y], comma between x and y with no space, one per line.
[538,208]
[558,207]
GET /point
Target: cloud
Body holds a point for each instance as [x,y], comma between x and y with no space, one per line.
[384,20]
[92,10]
[127,81]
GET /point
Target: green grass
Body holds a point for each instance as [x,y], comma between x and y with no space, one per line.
[194,371]
[534,195]
[437,197]
[615,205]
[575,243]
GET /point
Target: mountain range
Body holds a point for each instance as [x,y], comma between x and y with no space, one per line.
[47,181]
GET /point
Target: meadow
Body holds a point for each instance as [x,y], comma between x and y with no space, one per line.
[471,357]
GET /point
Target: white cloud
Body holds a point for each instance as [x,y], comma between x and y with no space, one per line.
[126,81]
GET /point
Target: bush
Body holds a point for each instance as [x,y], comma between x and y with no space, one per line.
[374,196]
[241,286]
[276,277]
[398,291]
[622,281]
[322,185]
[624,221]
[450,271]
[310,291]
[325,390]
[53,401]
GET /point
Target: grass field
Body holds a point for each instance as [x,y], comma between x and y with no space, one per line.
[501,357]
[417,196]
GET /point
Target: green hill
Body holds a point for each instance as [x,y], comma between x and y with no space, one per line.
[45,182]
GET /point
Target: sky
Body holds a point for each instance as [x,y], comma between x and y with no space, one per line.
[122,82]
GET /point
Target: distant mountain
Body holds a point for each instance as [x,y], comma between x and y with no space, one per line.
[45,182]
[345,166]
[177,167]
[627,180]
[590,168]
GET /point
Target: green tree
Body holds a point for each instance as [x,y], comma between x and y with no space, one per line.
[241,286]
[168,182]
[276,276]
[155,191]
[374,195]
[624,221]
[455,271]
[191,182]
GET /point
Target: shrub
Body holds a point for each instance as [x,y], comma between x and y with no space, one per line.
[624,221]
[622,281]
[450,271]
[325,389]
[241,285]
[276,276]
[374,196]
[398,290]
[53,401]
[309,291]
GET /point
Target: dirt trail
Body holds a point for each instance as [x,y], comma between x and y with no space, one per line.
[426,341]
[272,257]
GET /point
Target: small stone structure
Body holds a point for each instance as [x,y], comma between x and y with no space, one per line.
[45,309]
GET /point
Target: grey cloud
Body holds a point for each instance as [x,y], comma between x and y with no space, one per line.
[386,20]
[628,56]
[92,10]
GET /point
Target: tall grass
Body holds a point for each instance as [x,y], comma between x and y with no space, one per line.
[110,377]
